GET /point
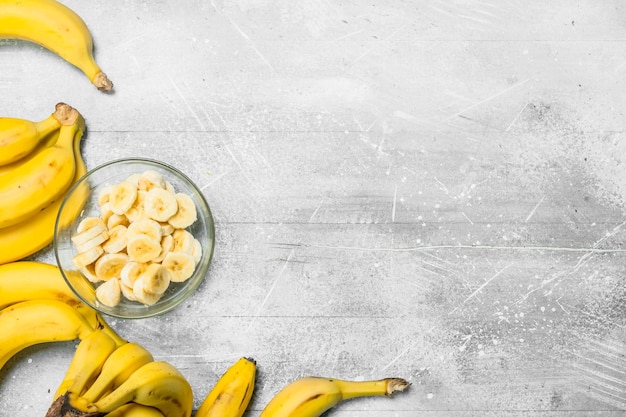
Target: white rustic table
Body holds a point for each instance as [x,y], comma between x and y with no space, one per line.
[424,189]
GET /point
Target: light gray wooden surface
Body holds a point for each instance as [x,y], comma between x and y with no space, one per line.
[424,189]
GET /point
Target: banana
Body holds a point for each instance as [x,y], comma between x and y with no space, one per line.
[116,369]
[117,239]
[156,384]
[155,279]
[160,204]
[55,27]
[143,248]
[167,244]
[181,265]
[134,410]
[86,363]
[147,227]
[109,293]
[31,322]
[110,265]
[20,137]
[150,179]
[312,396]
[186,214]
[31,280]
[232,393]
[26,238]
[122,197]
[33,185]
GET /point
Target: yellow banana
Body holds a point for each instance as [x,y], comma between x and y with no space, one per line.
[31,280]
[232,393]
[38,321]
[36,183]
[134,410]
[55,27]
[26,238]
[156,384]
[20,137]
[118,367]
[90,355]
[312,396]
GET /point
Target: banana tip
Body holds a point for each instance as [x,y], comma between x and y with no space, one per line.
[397,385]
[102,82]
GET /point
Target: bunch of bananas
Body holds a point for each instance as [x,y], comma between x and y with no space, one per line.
[55,27]
[39,162]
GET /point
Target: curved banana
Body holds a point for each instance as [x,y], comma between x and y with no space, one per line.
[19,137]
[232,393]
[33,185]
[312,396]
[38,321]
[156,384]
[31,280]
[90,355]
[118,367]
[24,239]
[55,27]
[134,410]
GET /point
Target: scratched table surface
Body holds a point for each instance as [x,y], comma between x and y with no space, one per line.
[430,190]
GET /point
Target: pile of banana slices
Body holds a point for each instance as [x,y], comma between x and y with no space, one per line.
[139,243]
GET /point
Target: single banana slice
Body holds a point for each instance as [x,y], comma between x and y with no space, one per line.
[86,235]
[92,243]
[196,250]
[109,293]
[186,214]
[169,187]
[89,272]
[148,227]
[134,179]
[117,239]
[122,197]
[181,265]
[127,292]
[167,244]
[155,279]
[160,204]
[117,220]
[104,195]
[88,223]
[83,259]
[142,296]
[131,271]
[150,179]
[137,211]
[166,228]
[142,248]
[109,265]
[106,213]
[183,241]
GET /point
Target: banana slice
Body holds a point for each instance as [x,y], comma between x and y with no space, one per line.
[122,197]
[186,214]
[130,272]
[109,293]
[142,296]
[117,220]
[196,250]
[142,248]
[160,204]
[169,187]
[155,279]
[106,213]
[134,179]
[117,239]
[104,195]
[150,228]
[150,179]
[89,272]
[83,259]
[95,229]
[137,211]
[127,292]
[166,228]
[181,265]
[183,241]
[92,243]
[88,223]
[109,265]
[167,244]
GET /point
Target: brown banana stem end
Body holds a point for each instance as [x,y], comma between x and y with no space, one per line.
[61,407]
[102,82]
[65,114]
[396,385]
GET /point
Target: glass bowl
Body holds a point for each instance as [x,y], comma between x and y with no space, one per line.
[84,200]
